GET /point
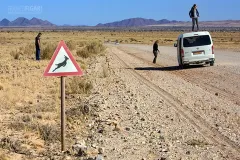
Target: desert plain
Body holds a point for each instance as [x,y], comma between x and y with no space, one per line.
[123,107]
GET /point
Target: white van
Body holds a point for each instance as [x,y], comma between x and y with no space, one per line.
[195,48]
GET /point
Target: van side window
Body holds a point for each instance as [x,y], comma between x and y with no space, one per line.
[196,41]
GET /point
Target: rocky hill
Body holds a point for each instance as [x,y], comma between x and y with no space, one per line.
[136,22]
[140,22]
[21,21]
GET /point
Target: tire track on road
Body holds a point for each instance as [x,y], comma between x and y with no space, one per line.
[210,133]
[210,88]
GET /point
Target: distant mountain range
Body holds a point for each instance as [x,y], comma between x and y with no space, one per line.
[141,22]
[21,21]
[222,23]
[132,22]
[136,22]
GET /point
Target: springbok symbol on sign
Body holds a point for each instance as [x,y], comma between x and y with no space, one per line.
[62,64]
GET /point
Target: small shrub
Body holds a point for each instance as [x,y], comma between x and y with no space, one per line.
[17,126]
[133,40]
[11,144]
[26,118]
[83,53]
[83,66]
[71,45]
[38,116]
[75,113]
[48,51]
[92,48]
[15,54]
[195,142]
[1,87]
[78,112]
[2,40]
[49,133]
[82,43]
[79,86]
[29,50]
[22,123]
[95,47]
[168,40]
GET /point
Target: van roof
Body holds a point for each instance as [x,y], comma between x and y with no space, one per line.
[190,34]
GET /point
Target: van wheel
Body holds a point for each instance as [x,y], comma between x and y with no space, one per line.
[211,63]
[180,66]
[183,66]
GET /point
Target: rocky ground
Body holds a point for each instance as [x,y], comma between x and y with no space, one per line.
[141,116]
[148,114]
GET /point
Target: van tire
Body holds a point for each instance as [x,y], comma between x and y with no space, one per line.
[211,63]
[181,66]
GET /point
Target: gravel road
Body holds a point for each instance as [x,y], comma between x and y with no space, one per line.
[171,113]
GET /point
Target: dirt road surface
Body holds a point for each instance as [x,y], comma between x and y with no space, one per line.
[163,112]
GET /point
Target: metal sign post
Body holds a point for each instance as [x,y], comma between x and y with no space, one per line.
[63,113]
[62,64]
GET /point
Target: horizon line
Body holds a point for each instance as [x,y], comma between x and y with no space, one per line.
[65,24]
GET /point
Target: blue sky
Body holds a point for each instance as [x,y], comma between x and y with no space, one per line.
[92,12]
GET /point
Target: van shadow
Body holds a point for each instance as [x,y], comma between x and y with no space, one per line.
[169,68]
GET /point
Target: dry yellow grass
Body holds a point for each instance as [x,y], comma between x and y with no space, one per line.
[30,103]
[76,40]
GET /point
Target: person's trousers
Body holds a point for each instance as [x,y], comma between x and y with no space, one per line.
[194,21]
[37,54]
[155,53]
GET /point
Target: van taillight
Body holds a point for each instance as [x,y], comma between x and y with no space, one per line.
[182,52]
[212,49]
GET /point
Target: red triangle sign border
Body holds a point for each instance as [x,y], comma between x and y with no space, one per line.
[60,45]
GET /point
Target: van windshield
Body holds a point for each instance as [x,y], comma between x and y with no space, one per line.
[196,41]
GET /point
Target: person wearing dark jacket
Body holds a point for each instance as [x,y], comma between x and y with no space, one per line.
[155,50]
[194,14]
[37,45]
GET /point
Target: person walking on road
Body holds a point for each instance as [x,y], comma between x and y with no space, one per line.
[155,50]
[194,14]
[37,45]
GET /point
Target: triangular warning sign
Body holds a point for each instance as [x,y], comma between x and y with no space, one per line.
[62,63]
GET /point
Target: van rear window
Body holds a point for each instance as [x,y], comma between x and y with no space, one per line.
[196,41]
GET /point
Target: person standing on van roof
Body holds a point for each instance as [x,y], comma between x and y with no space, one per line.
[37,45]
[155,50]
[194,14]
